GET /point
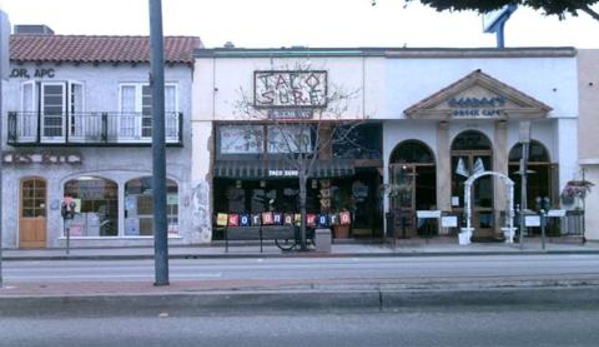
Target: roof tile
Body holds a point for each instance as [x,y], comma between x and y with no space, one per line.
[99,49]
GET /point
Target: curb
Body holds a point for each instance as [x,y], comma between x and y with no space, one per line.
[252,302]
[295,255]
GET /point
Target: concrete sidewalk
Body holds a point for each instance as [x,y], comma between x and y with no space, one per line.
[208,296]
[345,248]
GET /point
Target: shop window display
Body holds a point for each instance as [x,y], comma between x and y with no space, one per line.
[96,211]
[139,207]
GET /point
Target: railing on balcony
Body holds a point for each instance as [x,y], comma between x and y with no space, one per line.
[89,129]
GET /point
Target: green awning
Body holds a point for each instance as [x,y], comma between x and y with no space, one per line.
[278,169]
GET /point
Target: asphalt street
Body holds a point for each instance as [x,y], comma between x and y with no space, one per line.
[478,270]
[472,326]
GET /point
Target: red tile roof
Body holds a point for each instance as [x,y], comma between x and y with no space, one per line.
[99,49]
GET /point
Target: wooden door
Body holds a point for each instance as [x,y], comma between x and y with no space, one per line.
[32,220]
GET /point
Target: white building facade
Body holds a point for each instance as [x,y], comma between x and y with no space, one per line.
[433,118]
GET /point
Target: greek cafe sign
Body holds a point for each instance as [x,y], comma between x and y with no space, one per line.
[469,107]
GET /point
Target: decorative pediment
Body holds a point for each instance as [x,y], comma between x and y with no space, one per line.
[478,96]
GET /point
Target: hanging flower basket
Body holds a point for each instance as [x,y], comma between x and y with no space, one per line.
[575,189]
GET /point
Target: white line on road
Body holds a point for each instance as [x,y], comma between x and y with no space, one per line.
[16,278]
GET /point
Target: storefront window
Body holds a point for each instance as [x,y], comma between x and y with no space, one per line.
[96,201]
[240,139]
[364,141]
[139,207]
[542,183]
[289,139]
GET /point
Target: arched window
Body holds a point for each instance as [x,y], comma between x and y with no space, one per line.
[541,186]
[139,210]
[412,151]
[536,152]
[96,201]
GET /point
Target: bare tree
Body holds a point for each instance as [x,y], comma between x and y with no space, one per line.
[304,118]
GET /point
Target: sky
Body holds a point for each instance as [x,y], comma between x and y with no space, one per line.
[311,23]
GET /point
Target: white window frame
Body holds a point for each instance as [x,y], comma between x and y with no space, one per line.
[43,116]
[28,122]
[76,113]
[137,121]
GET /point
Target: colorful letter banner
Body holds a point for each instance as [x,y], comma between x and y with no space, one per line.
[311,220]
[267,218]
[344,218]
[233,220]
[245,220]
[221,219]
[288,219]
[256,220]
[277,218]
[323,220]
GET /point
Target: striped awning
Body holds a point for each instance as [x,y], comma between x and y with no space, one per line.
[277,169]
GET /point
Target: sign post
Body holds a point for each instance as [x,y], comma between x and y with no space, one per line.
[494,22]
[524,140]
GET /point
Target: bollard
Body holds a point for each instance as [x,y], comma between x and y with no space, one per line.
[322,239]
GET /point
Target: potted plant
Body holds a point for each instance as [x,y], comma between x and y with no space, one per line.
[342,204]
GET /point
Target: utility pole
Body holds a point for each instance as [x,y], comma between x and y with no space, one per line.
[158,144]
[4,61]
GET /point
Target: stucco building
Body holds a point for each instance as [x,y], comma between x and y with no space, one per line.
[588,84]
[431,118]
[77,128]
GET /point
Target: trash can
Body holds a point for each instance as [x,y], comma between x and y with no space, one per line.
[322,238]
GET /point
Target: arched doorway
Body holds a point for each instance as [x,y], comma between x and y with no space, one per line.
[413,174]
[471,153]
[541,186]
[32,218]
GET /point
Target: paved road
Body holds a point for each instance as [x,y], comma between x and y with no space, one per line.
[472,326]
[452,269]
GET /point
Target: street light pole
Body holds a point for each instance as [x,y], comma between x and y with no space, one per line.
[158,144]
[4,61]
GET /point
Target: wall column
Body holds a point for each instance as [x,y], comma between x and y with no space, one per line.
[443,167]
[500,164]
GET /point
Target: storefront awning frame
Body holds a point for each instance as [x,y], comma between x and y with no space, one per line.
[280,169]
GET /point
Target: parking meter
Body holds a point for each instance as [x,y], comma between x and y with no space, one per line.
[67,210]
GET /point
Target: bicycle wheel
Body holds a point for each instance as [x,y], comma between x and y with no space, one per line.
[286,244]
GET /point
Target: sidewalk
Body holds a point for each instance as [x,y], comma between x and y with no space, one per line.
[344,248]
[212,295]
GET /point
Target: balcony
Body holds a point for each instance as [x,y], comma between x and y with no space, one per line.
[89,129]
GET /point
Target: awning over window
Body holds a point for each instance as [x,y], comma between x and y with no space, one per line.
[276,169]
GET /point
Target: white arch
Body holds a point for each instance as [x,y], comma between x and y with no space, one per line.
[509,224]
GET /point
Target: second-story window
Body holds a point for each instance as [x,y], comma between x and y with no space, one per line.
[135,120]
[56,106]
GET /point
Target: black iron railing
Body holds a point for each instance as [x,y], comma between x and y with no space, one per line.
[91,129]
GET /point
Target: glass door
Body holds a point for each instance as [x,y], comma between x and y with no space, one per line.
[464,165]
[403,198]
[471,153]
[53,111]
